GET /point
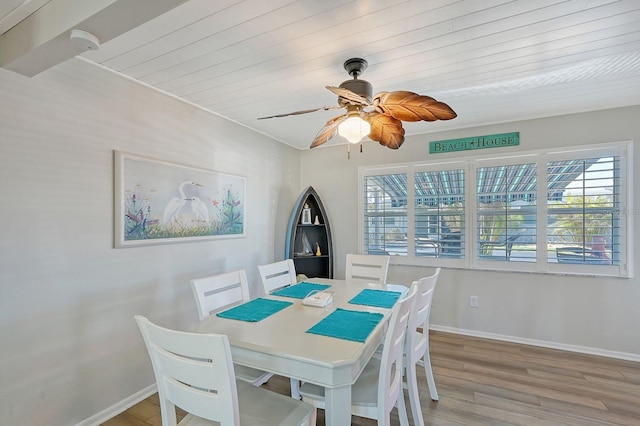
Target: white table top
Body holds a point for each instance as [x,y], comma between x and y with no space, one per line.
[280,344]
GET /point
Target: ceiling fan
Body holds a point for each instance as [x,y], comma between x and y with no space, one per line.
[380,117]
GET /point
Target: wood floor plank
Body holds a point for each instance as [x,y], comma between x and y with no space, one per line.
[448,416]
[475,387]
[632,376]
[591,391]
[559,380]
[495,383]
[605,417]
[543,414]
[493,415]
[623,408]
[501,380]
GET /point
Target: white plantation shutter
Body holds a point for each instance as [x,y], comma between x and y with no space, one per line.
[506,212]
[439,213]
[584,218]
[564,211]
[385,214]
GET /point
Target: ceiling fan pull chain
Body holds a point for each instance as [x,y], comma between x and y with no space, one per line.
[348,151]
[360,147]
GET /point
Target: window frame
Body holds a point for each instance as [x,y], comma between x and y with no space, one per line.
[470,164]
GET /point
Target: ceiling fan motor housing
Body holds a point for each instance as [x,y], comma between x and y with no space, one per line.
[359,87]
[355,67]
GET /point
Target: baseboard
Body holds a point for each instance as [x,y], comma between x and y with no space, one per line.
[119,407]
[541,343]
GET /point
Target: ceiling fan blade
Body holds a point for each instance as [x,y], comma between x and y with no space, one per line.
[328,131]
[385,129]
[353,98]
[409,106]
[306,111]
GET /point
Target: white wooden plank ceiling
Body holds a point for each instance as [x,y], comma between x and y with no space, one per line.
[492,60]
[14,11]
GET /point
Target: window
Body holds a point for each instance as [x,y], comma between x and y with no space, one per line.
[559,211]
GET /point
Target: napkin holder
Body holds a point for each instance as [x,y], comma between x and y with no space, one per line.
[319,299]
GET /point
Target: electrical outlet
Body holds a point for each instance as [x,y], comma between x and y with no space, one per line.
[473,301]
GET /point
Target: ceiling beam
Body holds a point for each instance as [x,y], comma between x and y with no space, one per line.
[14,12]
[42,40]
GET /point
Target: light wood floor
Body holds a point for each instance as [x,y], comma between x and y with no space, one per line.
[488,382]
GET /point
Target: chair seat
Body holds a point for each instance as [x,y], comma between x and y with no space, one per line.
[251,375]
[261,407]
[397,287]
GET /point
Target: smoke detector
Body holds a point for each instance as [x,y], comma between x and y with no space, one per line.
[84,40]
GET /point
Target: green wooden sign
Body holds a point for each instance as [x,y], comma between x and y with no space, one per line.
[475,142]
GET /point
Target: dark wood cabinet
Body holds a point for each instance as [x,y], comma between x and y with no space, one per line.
[304,239]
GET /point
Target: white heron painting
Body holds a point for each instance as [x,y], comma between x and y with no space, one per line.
[176,204]
[160,202]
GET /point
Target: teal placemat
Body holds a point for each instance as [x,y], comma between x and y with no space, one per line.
[300,290]
[254,310]
[377,298]
[348,325]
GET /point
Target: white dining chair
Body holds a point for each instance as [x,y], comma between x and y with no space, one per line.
[277,275]
[367,267]
[218,292]
[379,387]
[417,345]
[372,269]
[194,372]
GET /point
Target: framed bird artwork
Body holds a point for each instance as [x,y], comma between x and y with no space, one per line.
[158,202]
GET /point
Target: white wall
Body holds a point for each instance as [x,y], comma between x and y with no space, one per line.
[598,315]
[69,345]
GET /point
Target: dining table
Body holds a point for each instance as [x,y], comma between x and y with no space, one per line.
[282,342]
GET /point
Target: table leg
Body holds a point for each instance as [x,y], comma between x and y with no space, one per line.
[338,406]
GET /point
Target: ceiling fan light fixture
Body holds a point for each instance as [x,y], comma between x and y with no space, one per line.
[354,128]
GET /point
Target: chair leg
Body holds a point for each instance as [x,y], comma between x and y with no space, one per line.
[414,396]
[402,409]
[429,373]
[295,389]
